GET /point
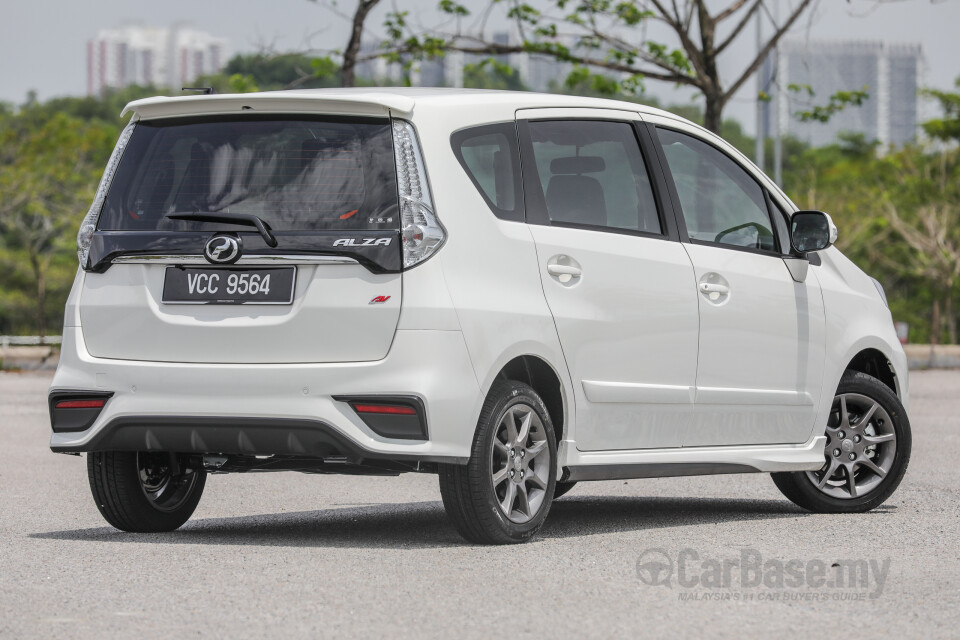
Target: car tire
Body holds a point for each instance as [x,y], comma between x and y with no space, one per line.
[145,492]
[829,489]
[503,494]
[562,488]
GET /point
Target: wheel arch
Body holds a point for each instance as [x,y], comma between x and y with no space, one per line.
[874,362]
[544,379]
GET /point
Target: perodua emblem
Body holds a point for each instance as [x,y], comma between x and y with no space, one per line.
[223,249]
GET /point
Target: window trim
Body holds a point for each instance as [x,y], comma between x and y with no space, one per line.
[781,225]
[678,209]
[535,200]
[458,137]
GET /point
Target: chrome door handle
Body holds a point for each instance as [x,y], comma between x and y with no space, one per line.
[708,287]
[564,270]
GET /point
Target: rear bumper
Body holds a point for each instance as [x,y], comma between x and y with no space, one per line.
[275,409]
[236,436]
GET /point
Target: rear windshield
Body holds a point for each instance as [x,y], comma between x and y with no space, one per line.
[294,173]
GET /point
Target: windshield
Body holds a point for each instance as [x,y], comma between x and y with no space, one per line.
[295,173]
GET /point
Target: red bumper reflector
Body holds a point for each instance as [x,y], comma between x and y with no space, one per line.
[393,409]
[81,404]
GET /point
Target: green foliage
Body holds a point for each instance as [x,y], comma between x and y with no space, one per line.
[240,83]
[49,166]
[453,8]
[946,128]
[524,13]
[673,58]
[899,220]
[492,74]
[631,14]
[581,80]
[274,72]
[835,103]
[326,69]
[105,108]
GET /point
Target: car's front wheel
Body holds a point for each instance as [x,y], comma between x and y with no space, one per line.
[145,492]
[866,454]
[503,494]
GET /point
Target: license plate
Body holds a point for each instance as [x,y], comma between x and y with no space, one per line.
[204,285]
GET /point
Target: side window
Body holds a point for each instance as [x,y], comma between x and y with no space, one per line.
[721,202]
[489,156]
[592,173]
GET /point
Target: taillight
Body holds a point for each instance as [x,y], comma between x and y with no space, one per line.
[89,224]
[400,417]
[81,404]
[385,408]
[421,233]
[76,410]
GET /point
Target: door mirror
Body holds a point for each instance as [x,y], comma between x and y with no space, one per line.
[811,231]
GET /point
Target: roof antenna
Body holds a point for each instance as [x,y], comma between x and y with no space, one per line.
[204,90]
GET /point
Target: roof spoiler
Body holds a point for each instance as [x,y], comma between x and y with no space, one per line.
[326,101]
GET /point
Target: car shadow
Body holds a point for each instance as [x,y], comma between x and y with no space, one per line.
[424,524]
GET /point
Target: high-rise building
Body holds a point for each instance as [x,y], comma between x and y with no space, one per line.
[132,54]
[891,73]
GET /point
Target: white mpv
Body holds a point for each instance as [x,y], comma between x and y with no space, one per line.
[516,292]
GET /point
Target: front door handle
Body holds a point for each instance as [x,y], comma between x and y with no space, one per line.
[564,270]
[710,287]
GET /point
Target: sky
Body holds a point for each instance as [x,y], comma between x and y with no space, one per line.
[43,42]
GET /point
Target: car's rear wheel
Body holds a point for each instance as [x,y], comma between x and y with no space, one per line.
[145,492]
[867,451]
[503,494]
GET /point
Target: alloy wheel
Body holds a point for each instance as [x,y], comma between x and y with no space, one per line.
[520,463]
[861,447]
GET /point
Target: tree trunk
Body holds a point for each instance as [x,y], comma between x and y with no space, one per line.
[713,112]
[347,76]
[951,320]
[41,288]
[935,323]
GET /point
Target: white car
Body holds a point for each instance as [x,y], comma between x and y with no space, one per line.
[515,291]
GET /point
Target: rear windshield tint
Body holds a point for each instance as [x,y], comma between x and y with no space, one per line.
[294,173]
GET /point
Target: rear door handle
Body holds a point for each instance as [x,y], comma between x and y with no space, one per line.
[709,287]
[564,270]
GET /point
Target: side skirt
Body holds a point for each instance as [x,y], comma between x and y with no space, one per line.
[578,465]
[642,470]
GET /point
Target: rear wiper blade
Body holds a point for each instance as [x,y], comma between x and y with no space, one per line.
[245,219]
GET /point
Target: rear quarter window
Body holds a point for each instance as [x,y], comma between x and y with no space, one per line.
[490,158]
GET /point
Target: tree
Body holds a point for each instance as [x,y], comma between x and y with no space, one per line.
[490,74]
[610,36]
[946,128]
[347,77]
[268,72]
[931,235]
[352,51]
[48,173]
[921,210]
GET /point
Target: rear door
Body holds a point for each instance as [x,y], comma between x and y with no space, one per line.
[329,291]
[618,283]
[761,332]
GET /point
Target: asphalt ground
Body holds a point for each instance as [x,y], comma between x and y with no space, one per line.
[294,555]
